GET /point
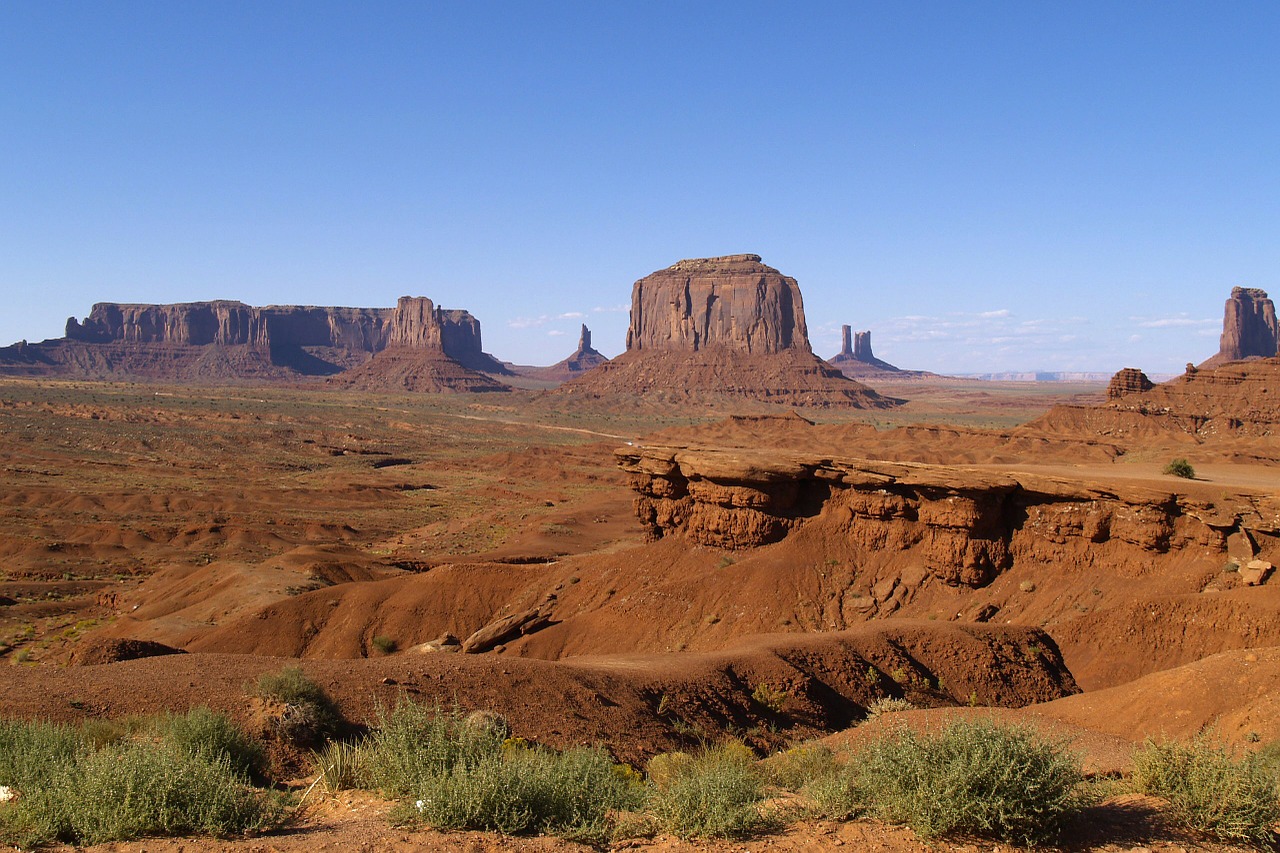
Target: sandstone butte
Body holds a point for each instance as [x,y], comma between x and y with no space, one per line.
[1249,327]
[722,327]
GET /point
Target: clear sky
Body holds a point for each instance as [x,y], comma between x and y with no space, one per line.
[985,186]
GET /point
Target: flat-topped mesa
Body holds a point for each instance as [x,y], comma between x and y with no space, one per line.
[415,322]
[733,301]
[1249,327]
[1129,380]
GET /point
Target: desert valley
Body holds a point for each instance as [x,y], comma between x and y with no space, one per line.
[715,537]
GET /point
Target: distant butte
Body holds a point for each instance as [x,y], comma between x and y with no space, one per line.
[857,361]
[581,360]
[727,327]
[414,345]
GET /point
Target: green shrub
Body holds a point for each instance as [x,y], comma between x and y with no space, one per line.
[413,742]
[314,714]
[574,794]
[798,766]
[888,705]
[714,794]
[972,777]
[33,752]
[770,698]
[384,644]
[1211,790]
[1180,468]
[131,790]
[208,734]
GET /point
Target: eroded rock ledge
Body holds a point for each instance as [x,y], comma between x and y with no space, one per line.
[963,525]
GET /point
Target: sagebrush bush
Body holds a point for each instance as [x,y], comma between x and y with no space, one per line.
[971,777]
[33,752]
[314,715]
[715,794]
[1211,789]
[128,790]
[1180,468]
[573,794]
[205,733]
[796,767]
[413,742]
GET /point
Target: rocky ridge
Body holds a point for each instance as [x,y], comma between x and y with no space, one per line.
[1129,380]
[959,526]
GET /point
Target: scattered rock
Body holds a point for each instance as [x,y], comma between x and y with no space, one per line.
[508,628]
[1255,573]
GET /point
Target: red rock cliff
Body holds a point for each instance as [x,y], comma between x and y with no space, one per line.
[733,301]
[1249,326]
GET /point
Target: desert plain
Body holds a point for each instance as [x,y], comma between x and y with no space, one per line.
[646,568]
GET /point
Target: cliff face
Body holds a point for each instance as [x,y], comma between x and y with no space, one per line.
[733,301]
[230,340]
[1249,327]
[712,330]
[856,358]
[961,527]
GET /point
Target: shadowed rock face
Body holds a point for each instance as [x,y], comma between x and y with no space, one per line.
[733,301]
[1249,326]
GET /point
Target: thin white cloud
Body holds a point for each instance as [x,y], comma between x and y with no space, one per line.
[1003,312]
[555,333]
[1178,321]
[610,309]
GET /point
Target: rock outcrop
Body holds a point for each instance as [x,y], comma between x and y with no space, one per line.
[856,358]
[229,340]
[1249,327]
[584,358]
[727,327]
[733,301]
[1129,380]
[958,526]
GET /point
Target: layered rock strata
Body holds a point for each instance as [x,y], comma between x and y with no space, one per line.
[725,327]
[962,527]
[226,339]
[1129,380]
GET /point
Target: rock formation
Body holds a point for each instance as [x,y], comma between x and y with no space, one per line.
[960,526]
[856,358]
[726,327]
[582,359]
[1249,327]
[1129,380]
[229,340]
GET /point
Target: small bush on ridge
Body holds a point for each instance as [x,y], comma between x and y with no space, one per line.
[1180,468]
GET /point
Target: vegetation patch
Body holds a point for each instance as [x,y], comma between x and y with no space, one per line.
[1211,789]
[715,794]
[971,778]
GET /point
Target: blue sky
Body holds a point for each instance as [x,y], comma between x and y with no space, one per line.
[985,186]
